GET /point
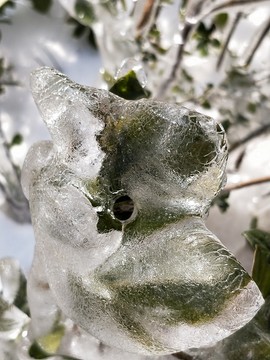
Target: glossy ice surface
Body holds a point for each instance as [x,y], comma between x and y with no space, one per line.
[118,199]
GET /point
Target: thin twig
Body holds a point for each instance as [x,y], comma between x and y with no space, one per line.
[262,80]
[257,44]
[228,39]
[9,83]
[230,3]
[260,131]
[247,183]
[147,11]
[179,56]
[150,12]
[240,159]
[192,11]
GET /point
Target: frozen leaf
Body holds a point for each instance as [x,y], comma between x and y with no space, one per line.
[37,352]
[251,342]
[258,237]
[80,30]
[2,2]
[10,274]
[128,87]
[260,241]
[118,199]
[41,5]
[16,140]
[12,323]
[21,297]
[5,4]
[222,201]
[221,20]
[12,319]
[50,343]
[261,270]
[85,12]
[252,107]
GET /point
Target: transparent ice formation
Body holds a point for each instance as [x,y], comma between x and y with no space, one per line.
[12,319]
[118,200]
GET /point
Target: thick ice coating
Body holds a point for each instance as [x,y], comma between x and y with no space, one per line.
[118,199]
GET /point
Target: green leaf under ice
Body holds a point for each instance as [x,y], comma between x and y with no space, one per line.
[252,342]
[128,87]
[260,241]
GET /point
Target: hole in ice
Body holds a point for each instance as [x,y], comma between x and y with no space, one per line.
[123,208]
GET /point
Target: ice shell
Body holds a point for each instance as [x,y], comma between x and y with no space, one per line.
[157,281]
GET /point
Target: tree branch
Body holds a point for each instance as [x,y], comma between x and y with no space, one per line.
[261,130]
[147,11]
[179,56]
[257,44]
[247,183]
[228,39]
[8,83]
